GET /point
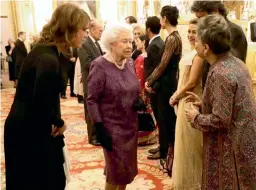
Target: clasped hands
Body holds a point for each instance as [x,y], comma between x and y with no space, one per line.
[194,107]
[58,131]
[72,59]
[173,101]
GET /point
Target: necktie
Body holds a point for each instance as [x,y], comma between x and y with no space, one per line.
[98,45]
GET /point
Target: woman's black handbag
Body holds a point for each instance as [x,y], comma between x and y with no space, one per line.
[146,122]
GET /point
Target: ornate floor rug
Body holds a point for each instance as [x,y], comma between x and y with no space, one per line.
[87,161]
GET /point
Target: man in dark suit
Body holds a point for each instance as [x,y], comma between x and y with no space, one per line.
[90,51]
[238,41]
[68,73]
[20,52]
[253,31]
[154,53]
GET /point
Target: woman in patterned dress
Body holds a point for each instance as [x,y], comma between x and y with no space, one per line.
[227,113]
[113,88]
[145,137]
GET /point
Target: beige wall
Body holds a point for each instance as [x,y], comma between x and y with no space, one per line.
[7,25]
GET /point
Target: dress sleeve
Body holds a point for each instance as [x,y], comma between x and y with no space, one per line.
[222,106]
[45,95]
[96,83]
[170,47]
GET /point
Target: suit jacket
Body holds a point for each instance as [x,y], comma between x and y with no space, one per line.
[20,51]
[66,64]
[238,47]
[87,54]
[238,41]
[75,55]
[154,54]
[253,31]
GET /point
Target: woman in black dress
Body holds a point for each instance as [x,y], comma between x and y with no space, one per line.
[33,134]
[10,59]
[164,80]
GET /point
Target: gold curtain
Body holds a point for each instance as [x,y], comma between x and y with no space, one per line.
[54,4]
[126,8]
[23,18]
[14,16]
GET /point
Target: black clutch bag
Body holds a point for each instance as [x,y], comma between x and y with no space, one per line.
[146,122]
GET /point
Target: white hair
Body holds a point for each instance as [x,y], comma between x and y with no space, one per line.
[112,33]
[10,40]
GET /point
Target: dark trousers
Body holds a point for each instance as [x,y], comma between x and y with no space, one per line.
[68,74]
[91,130]
[153,102]
[166,119]
[11,67]
[17,71]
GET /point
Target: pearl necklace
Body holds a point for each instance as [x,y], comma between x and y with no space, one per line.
[121,67]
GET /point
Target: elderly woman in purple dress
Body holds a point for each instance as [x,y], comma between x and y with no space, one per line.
[113,90]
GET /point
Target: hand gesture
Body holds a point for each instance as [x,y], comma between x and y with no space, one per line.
[62,129]
[192,97]
[191,114]
[54,131]
[57,131]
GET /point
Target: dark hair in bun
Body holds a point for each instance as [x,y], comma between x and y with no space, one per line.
[171,13]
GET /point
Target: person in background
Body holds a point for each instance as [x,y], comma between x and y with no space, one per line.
[130,20]
[152,60]
[68,72]
[35,39]
[20,52]
[78,82]
[137,31]
[90,51]
[33,131]
[238,39]
[187,162]
[163,81]
[113,90]
[227,113]
[251,30]
[10,58]
[145,138]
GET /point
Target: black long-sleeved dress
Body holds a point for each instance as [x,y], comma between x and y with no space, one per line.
[34,159]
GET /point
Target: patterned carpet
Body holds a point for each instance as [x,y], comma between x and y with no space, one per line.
[87,161]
